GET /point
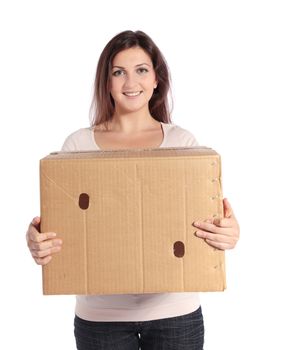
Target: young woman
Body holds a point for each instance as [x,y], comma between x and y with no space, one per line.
[130,110]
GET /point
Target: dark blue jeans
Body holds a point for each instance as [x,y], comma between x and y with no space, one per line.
[175,333]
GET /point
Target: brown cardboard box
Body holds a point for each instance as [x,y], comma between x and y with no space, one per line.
[125,217]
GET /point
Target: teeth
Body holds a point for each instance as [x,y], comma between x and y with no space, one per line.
[132,93]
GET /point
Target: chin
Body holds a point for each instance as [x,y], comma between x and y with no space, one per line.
[126,109]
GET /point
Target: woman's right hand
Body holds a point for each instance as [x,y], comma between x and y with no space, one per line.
[41,245]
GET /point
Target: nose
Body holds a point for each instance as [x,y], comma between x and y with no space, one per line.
[130,81]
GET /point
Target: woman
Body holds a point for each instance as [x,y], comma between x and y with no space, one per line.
[130,110]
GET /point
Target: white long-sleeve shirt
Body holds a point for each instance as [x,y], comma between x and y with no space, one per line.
[133,307]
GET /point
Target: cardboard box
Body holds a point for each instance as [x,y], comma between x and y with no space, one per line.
[125,217]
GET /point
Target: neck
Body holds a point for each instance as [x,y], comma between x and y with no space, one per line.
[130,123]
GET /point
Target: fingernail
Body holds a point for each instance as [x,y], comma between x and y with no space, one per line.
[216,221]
[196,223]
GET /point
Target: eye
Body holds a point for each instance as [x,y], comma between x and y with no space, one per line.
[142,70]
[117,73]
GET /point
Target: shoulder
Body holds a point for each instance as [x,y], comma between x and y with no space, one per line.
[78,140]
[180,136]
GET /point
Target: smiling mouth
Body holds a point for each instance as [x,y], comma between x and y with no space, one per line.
[132,94]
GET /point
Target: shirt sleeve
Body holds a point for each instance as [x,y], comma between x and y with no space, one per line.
[68,145]
[189,139]
[192,142]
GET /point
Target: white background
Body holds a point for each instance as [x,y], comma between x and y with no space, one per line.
[225,61]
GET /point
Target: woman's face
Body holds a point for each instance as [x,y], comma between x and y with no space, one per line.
[133,80]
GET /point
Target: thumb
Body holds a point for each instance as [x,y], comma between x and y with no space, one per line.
[36,221]
[227,209]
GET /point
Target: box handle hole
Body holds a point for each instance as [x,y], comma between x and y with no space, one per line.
[83,201]
[179,249]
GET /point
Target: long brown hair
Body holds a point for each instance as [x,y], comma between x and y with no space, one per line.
[102,105]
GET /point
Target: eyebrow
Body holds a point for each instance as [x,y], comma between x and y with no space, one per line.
[137,65]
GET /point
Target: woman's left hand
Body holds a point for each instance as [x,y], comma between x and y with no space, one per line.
[220,233]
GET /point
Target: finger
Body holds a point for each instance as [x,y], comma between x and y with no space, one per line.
[36,236]
[218,245]
[40,237]
[44,253]
[224,222]
[50,243]
[227,209]
[33,228]
[209,226]
[211,236]
[35,222]
[43,261]
[224,241]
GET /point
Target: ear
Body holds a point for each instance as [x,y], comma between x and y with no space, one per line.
[155,85]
